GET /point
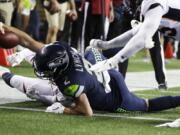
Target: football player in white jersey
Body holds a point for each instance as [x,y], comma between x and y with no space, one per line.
[138,37]
[34,88]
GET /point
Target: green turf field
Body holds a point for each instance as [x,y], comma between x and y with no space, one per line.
[17,121]
[20,122]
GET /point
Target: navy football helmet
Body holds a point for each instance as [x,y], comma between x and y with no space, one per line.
[51,61]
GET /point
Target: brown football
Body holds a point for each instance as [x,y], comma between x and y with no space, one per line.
[8,40]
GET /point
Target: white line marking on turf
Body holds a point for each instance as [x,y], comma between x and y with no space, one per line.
[95,114]
[22,108]
[130,117]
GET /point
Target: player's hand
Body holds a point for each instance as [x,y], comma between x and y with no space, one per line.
[1,28]
[51,6]
[72,15]
[54,7]
[104,65]
[55,108]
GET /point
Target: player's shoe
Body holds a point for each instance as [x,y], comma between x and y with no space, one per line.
[97,43]
[163,86]
[15,59]
[55,108]
[3,70]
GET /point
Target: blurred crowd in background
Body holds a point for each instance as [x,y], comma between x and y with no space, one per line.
[79,21]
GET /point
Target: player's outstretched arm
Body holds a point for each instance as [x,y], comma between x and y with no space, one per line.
[82,107]
[25,40]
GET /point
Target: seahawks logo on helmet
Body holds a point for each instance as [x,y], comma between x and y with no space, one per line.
[51,61]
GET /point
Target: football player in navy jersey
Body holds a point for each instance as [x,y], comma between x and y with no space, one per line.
[67,69]
[71,74]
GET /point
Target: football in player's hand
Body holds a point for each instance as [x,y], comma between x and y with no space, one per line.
[8,40]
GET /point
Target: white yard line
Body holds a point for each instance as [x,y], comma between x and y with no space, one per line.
[95,114]
[22,109]
[132,117]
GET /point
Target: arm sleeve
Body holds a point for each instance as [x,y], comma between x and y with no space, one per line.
[74,90]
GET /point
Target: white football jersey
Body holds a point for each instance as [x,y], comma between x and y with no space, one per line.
[166,4]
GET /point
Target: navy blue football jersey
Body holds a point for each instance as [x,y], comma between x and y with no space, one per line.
[78,80]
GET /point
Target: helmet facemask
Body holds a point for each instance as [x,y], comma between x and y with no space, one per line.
[50,64]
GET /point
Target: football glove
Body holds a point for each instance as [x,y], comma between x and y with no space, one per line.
[55,108]
[15,59]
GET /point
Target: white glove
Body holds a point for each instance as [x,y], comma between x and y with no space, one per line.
[15,59]
[55,108]
[174,124]
[105,65]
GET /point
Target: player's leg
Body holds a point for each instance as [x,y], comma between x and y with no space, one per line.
[163,103]
[119,41]
[34,88]
[93,55]
[137,42]
[157,56]
[129,101]
[52,26]
[145,33]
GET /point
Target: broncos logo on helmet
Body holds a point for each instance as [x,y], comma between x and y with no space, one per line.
[51,61]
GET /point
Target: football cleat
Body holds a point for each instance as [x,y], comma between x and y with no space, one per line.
[55,108]
[163,86]
[96,43]
[15,59]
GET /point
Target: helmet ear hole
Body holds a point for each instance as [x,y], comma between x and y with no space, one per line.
[51,61]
